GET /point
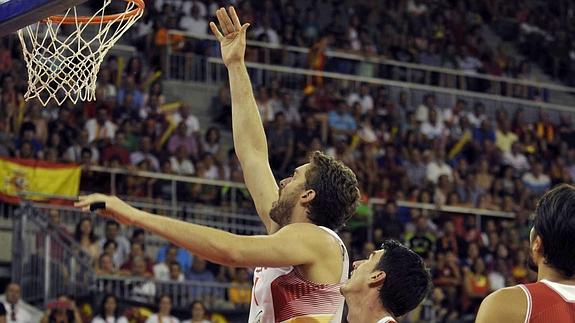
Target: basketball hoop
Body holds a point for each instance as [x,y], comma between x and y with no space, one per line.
[62,67]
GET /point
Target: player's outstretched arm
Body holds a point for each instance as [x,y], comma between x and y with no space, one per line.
[219,246]
[505,305]
[248,132]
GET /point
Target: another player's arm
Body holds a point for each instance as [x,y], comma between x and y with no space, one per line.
[248,131]
[276,250]
[507,305]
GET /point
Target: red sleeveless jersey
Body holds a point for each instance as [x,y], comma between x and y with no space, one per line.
[549,302]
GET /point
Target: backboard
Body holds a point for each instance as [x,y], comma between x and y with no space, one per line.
[16,14]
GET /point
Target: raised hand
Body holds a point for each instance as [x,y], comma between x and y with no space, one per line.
[114,207]
[233,36]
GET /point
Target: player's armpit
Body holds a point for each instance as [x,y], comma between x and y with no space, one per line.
[507,305]
[294,244]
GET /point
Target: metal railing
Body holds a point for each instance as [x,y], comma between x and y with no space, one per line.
[293,56]
[229,215]
[146,290]
[212,70]
[438,209]
[46,261]
[250,223]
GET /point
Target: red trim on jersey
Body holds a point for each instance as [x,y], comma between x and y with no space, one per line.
[547,305]
[294,296]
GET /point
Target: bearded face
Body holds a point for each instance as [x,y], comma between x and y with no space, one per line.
[282,209]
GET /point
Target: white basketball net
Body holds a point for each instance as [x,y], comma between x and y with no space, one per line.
[62,67]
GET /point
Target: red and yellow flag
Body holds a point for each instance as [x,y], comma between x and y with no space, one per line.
[19,176]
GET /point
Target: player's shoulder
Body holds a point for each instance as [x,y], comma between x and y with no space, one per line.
[504,305]
[301,227]
[309,232]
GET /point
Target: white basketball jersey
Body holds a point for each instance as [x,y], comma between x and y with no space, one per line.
[283,295]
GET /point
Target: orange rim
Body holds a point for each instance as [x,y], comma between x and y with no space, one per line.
[140,5]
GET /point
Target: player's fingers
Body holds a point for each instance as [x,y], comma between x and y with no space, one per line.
[228,21]
[83,200]
[216,31]
[235,18]
[222,23]
[245,27]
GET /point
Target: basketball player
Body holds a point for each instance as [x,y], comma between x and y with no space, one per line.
[301,262]
[387,285]
[552,297]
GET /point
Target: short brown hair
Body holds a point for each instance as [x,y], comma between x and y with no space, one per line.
[336,192]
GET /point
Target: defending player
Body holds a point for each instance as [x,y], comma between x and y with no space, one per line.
[552,297]
[301,262]
[387,285]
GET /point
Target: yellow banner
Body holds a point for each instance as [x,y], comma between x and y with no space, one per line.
[45,178]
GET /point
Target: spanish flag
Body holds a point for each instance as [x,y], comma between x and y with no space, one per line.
[38,179]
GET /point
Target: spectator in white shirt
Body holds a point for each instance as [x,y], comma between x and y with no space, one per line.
[451,116]
[478,115]
[164,312]
[109,311]
[175,274]
[433,128]
[535,180]
[497,276]
[100,128]
[143,290]
[191,121]
[74,153]
[438,167]
[416,7]
[145,152]
[366,100]
[162,269]
[266,29]
[194,22]
[468,63]
[289,109]
[15,312]
[363,97]
[422,112]
[181,163]
[515,158]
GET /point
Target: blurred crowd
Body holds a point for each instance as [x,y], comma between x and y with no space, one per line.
[463,155]
[402,147]
[66,308]
[442,33]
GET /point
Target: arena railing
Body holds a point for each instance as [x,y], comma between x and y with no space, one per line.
[435,209]
[46,261]
[249,223]
[190,67]
[209,215]
[174,180]
[146,290]
[396,70]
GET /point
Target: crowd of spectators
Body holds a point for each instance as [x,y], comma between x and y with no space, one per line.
[448,34]
[465,154]
[109,309]
[127,269]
